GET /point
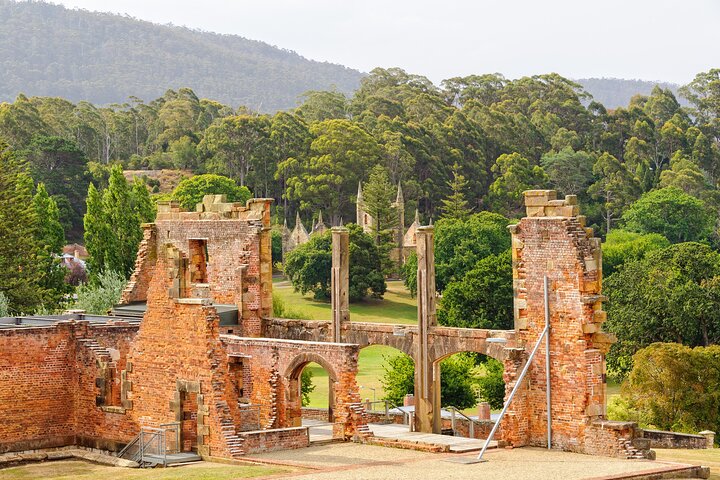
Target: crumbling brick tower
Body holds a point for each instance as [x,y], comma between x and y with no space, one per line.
[192,265]
[552,241]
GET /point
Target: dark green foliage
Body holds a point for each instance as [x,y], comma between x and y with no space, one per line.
[491,386]
[670,295]
[621,246]
[142,204]
[309,265]
[674,387]
[399,377]
[673,214]
[483,298]
[20,270]
[569,171]
[366,277]
[306,386]
[191,191]
[45,46]
[62,167]
[460,244]
[276,246]
[457,380]
[51,240]
[455,205]
[112,225]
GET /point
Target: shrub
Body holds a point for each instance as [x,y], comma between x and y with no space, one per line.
[100,296]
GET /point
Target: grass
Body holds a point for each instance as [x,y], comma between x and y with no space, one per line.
[370,370]
[707,458]
[397,306]
[81,470]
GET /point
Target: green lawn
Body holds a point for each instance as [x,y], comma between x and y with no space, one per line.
[81,470]
[707,458]
[370,370]
[397,306]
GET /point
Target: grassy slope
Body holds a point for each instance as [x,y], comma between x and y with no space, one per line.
[707,458]
[370,371]
[397,306]
[80,470]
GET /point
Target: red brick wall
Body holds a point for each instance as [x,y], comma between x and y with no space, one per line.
[48,387]
[553,242]
[273,364]
[36,387]
[136,289]
[94,425]
[179,342]
[275,439]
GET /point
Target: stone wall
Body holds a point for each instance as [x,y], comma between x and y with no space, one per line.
[661,439]
[275,439]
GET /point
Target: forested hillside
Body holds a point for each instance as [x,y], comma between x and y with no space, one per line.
[617,92]
[103,58]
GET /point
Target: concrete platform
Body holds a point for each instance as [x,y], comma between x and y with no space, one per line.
[403,433]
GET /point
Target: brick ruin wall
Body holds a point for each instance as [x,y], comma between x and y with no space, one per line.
[553,241]
[54,381]
[49,386]
[275,367]
[237,243]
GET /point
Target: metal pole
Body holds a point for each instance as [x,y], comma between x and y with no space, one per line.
[514,391]
[547,364]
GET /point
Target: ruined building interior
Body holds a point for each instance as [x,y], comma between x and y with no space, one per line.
[194,344]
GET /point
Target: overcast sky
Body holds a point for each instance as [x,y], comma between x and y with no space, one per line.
[668,40]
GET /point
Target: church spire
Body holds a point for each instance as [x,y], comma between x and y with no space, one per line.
[399,200]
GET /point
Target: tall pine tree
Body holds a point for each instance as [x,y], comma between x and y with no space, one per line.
[51,238]
[112,225]
[455,205]
[19,250]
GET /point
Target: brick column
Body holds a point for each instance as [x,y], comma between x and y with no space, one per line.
[340,281]
[427,375]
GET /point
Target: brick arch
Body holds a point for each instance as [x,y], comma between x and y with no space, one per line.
[367,335]
[494,350]
[297,364]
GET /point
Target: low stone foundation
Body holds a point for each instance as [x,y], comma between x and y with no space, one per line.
[274,439]
[89,454]
[661,439]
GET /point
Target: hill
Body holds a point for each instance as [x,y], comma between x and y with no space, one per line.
[49,50]
[617,92]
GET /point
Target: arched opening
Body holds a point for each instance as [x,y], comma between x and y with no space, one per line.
[472,392]
[386,383]
[311,396]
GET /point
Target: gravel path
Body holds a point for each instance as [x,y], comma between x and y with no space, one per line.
[348,461]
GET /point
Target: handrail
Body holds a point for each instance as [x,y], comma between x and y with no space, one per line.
[152,441]
[521,377]
[128,446]
[389,406]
